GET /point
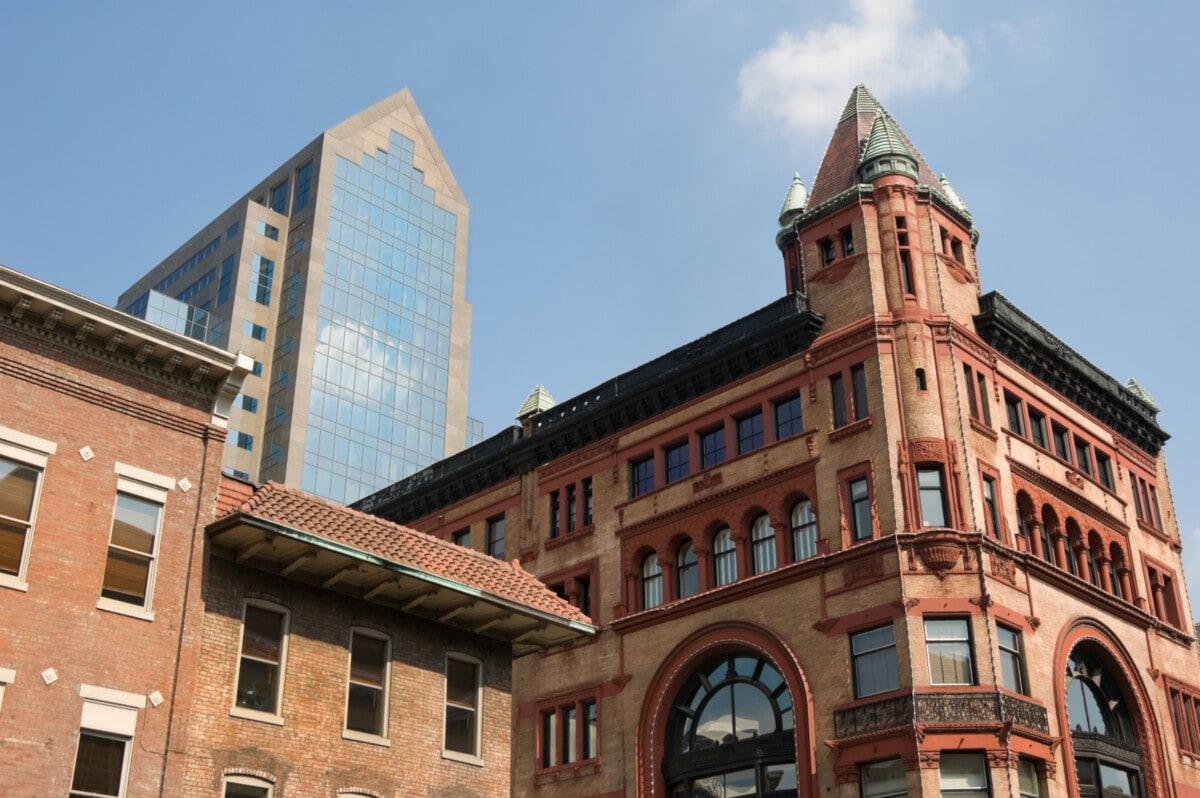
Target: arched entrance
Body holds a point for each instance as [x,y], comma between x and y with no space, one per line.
[727,714]
[731,731]
[1108,755]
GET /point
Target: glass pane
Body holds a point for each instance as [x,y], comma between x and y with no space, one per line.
[262,633]
[17,484]
[962,772]
[12,544]
[946,629]
[256,685]
[715,724]
[1116,782]
[950,663]
[98,765]
[883,778]
[754,714]
[460,730]
[368,657]
[364,709]
[245,791]
[125,577]
[779,777]
[1027,776]
[135,523]
[460,682]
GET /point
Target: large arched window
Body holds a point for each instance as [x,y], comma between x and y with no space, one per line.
[651,582]
[687,571]
[804,531]
[731,732]
[762,544]
[1108,759]
[724,558]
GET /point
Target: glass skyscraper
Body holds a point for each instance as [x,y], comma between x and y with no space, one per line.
[343,274]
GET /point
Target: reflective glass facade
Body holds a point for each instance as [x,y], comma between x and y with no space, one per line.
[174,315]
[377,410]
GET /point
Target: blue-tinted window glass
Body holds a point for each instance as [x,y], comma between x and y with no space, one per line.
[303,186]
[262,273]
[233,230]
[255,331]
[279,197]
[381,356]
[225,281]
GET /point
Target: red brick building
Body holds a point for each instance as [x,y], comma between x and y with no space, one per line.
[345,656]
[885,536]
[111,433]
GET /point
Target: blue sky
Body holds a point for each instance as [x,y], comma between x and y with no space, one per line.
[625,161]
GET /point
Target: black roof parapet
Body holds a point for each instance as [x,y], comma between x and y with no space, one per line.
[766,336]
[1038,351]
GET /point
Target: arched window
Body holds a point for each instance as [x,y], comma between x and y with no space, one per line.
[804,531]
[731,732]
[1108,759]
[687,571]
[724,558]
[651,582]
[762,538]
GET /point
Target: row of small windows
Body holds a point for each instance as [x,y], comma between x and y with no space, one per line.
[262,663]
[827,246]
[131,557]
[763,552]
[749,435]
[948,647]
[494,532]
[565,508]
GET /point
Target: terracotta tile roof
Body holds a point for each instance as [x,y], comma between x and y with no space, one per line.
[295,509]
[839,166]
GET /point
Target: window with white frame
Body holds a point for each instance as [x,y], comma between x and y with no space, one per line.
[804,531]
[1012,659]
[724,554]
[367,691]
[874,664]
[883,779]
[7,676]
[23,461]
[948,643]
[106,728]
[1027,779]
[652,594]
[135,539]
[247,787]
[462,706]
[762,543]
[261,660]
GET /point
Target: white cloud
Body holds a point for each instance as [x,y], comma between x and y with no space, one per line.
[802,81]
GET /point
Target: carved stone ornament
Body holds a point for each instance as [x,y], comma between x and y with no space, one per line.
[1004,568]
[825,624]
[939,553]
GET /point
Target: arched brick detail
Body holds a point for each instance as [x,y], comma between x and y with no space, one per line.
[1084,630]
[675,669]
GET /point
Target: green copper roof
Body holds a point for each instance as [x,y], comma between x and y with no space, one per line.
[885,140]
[860,102]
[794,202]
[539,399]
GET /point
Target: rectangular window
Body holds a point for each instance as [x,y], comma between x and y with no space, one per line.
[750,432]
[241,440]
[233,230]
[1185,714]
[787,418]
[555,515]
[1060,442]
[495,537]
[1083,455]
[1104,471]
[858,494]
[712,447]
[366,694]
[641,476]
[676,460]
[262,273]
[847,241]
[873,659]
[984,400]
[461,538]
[101,765]
[462,707]
[570,508]
[255,331]
[827,251]
[837,391]
[303,187]
[260,662]
[883,779]
[972,400]
[587,501]
[963,775]
[1027,779]
[990,506]
[132,550]
[248,403]
[1012,659]
[279,197]
[933,497]
[948,643]
[858,379]
[1037,427]
[568,734]
[1012,407]
[246,787]
[268,230]
[22,463]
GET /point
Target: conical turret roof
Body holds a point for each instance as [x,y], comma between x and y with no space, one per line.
[848,146]
[795,201]
[539,399]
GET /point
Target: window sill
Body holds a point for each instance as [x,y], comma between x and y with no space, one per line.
[13,583]
[566,538]
[983,429]
[458,756]
[121,608]
[255,715]
[363,737]
[853,428]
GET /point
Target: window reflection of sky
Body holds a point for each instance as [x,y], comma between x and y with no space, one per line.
[377,411]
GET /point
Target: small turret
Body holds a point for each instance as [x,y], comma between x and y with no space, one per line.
[886,153]
[539,399]
[794,202]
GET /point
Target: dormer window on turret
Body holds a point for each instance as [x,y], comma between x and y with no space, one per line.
[906,272]
[827,251]
[847,242]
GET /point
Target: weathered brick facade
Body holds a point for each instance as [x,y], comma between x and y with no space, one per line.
[993,560]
